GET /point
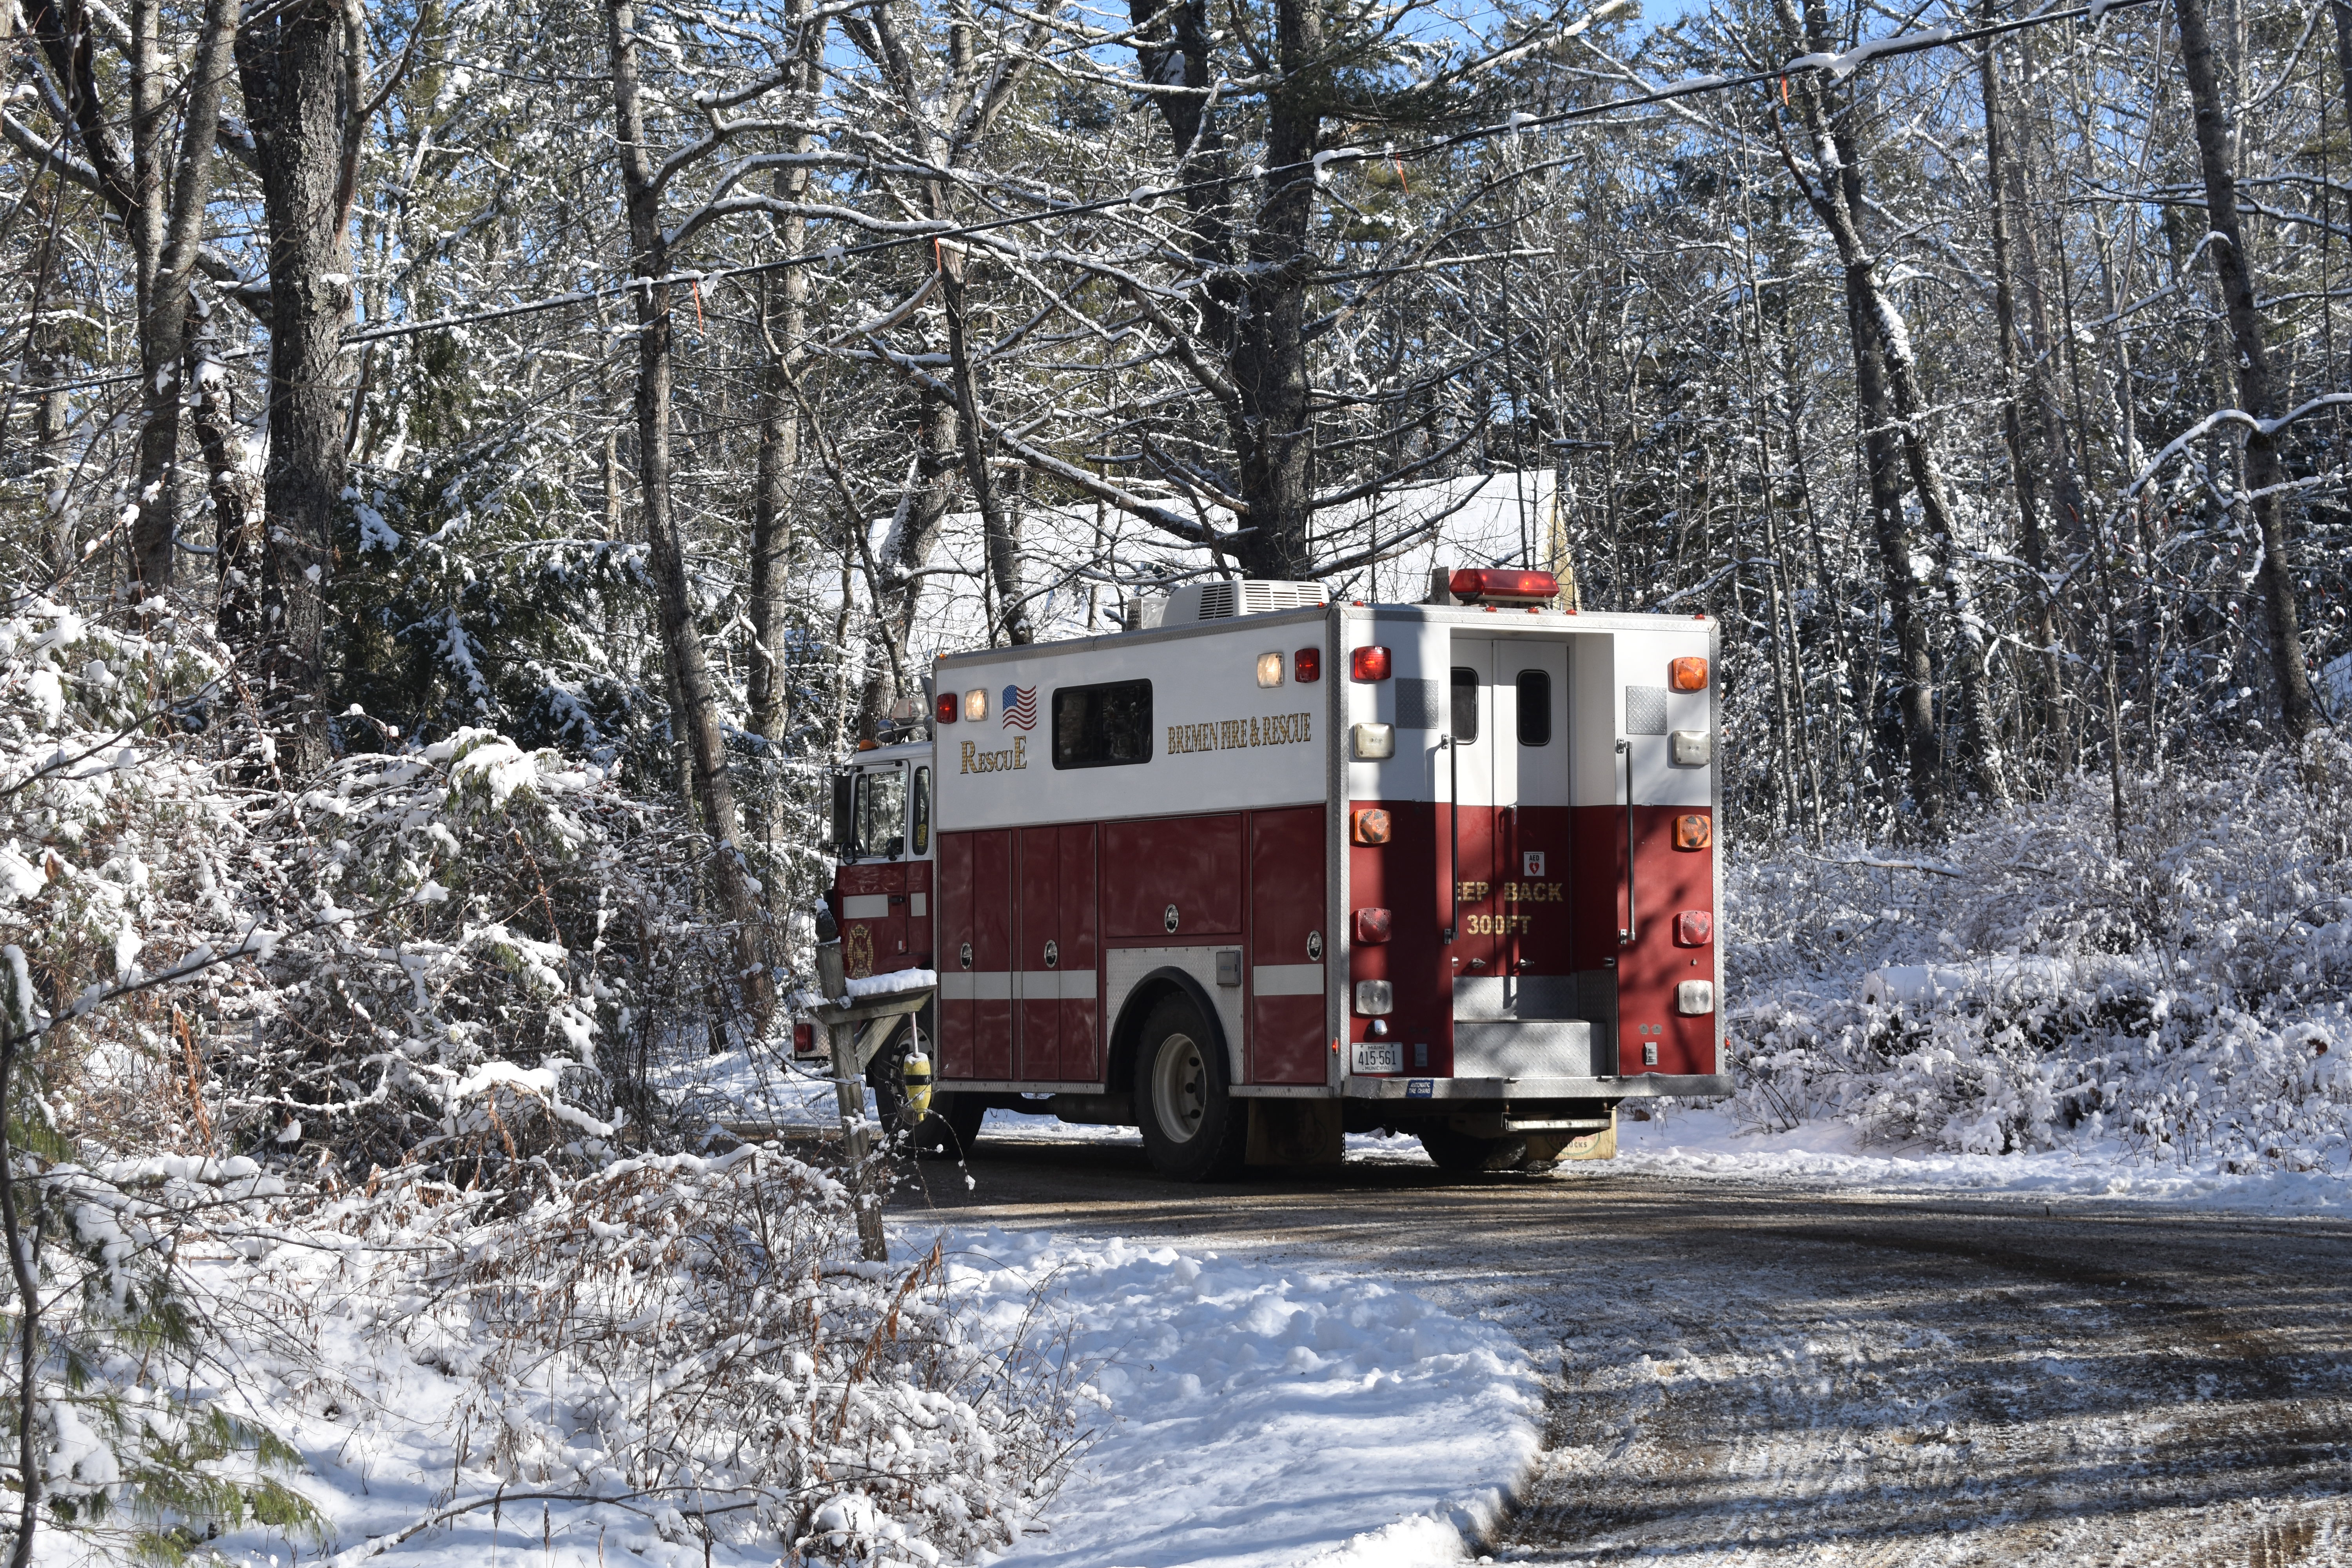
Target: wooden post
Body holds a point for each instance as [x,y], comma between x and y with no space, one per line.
[849,1095]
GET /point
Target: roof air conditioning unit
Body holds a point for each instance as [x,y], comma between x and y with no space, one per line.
[1222,599]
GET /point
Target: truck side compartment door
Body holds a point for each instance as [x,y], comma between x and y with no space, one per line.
[1038,1007]
[1287,938]
[975,888]
[1081,958]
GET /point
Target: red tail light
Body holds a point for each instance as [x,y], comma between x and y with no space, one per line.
[1306,665]
[946,708]
[1482,584]
[1693,928]
[1372,926]
[1369,664]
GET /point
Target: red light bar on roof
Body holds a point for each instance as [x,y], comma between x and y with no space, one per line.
[1501,585]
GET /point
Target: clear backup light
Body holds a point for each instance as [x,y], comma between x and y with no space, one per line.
[1374,742]
[1690,748]
[1269,670]
[1694,998]
[975,703]
[1375,998]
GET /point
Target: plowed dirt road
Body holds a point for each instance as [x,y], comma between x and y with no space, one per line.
[1771,1374]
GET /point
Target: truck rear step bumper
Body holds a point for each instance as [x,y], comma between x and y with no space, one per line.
[1636,1086]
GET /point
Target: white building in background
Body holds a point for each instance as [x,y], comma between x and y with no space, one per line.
[1505,518]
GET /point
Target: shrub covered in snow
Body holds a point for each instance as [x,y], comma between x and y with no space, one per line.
[2031,982]
[695,1338]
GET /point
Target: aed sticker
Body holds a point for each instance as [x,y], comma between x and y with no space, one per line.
[1379,1056]
[1531,863]
[1420,1089]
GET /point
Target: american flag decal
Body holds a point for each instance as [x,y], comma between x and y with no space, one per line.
[1020,707]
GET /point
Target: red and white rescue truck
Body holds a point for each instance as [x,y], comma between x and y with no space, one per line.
[1268,870]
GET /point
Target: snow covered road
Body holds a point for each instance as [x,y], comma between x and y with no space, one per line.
[1767,1372]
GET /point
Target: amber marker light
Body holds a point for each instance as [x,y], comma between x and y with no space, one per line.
[945,709]
[1693,831]
[1269,670]
[1306,665]
[1687,674]
[975,703]
[1372,825]
[1369,664]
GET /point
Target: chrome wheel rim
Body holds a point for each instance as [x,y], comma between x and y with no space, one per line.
[1180,1087]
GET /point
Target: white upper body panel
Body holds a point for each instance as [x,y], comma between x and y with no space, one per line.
[1217,740]
[1615,687]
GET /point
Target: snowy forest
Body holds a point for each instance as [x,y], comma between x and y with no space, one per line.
[468,470]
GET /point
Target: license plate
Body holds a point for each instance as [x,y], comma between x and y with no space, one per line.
[1379,1056]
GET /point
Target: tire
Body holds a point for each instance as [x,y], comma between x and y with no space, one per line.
[1463,1154]
[1193,1128]
[958,1117]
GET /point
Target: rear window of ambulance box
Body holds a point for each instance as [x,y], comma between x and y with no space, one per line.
[1104,726]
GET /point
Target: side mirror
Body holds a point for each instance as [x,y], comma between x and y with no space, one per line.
[844,812]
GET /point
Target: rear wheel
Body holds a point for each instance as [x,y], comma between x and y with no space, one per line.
[959,1116]
[1467,1154]
[1193,1128]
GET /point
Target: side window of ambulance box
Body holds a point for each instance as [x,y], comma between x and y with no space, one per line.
[923,822]
[1535,707]
[1104,726]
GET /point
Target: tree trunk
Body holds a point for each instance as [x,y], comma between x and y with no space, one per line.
[698,704]
[2256,393]
[2043,704]
[1257,327]
[2340,12]
[1842,209]
[168,262]
[997,531]
[779,414]
[291,63]
[1834,201]
[1274,435]
[914,527]
[771,491]
[237,554]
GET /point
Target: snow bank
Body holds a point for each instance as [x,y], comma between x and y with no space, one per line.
[1260,1416]
[2181,1003]
[1695,1143]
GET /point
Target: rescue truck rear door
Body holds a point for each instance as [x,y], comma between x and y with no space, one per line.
[1507,700]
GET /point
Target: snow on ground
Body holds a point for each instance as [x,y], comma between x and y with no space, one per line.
[1252,1415]
[1701,1142]
[1260,1416]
